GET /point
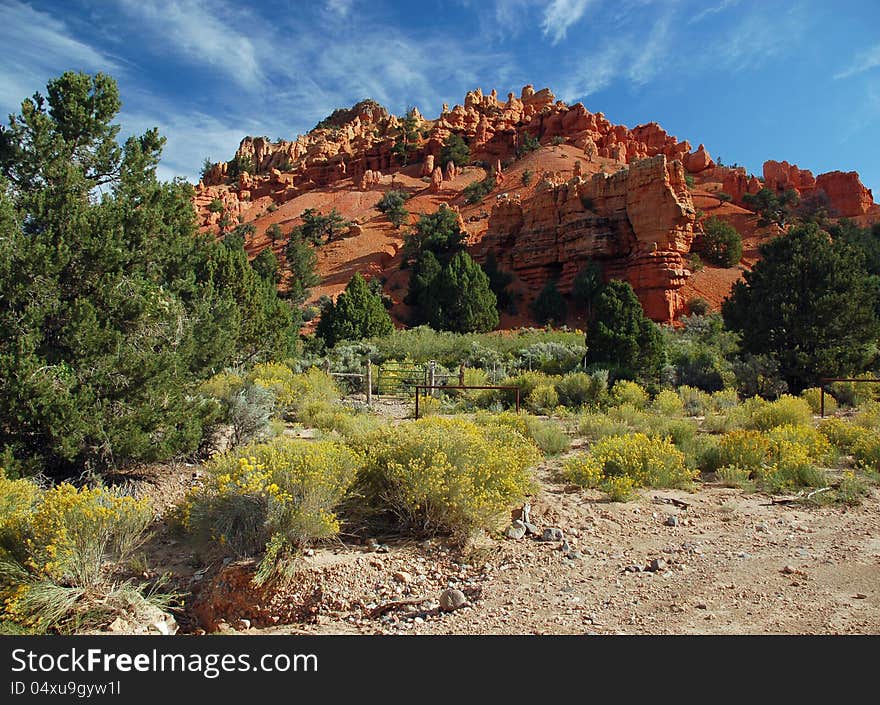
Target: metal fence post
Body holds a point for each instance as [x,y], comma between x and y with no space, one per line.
[369,382]
[432,376]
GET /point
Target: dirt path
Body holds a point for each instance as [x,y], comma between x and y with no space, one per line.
[731,564]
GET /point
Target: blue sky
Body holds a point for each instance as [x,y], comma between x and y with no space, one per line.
[752,79]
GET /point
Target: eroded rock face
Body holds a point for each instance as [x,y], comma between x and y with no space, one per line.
[846,193]
[638,222]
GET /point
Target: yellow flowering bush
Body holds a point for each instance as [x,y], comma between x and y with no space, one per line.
[817,445]
[618,489]
[60,550]
[746,450]
[866,450]
[282,493]
[840,433]
[868,415]
[668,403]
[626,392]
[647,461]
[785,410]
[813,397]
[584,470]
[696,401]
[788,466]
[294,391]
[450,476]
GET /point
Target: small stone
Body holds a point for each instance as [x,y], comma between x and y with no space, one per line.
[671,521]
[574,556]
[761,528]
[451,600]
[552,534]
[789,570]
[382,548]
[701,606]
[633,569]
[117,625]
[859,596]
[516,530]
[402,576]
[657,564]
[531,528]
[244,624]
[565,547]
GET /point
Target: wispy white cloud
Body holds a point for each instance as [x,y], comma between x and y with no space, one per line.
[204,32]
[863,61]
[339,8]
[560,15]
[649,57]
[713,10]
[39,46]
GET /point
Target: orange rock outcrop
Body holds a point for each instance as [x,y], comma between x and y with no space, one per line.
[639,222]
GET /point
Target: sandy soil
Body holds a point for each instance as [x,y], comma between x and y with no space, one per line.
[729,562]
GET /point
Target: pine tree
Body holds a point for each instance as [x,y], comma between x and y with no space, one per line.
[550,306]
[301,261]
[464,301]
[407,137]
[357,314]
[455,150]
[809,303]
[620,336]
[113,309]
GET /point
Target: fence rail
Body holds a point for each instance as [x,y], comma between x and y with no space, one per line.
[426,387]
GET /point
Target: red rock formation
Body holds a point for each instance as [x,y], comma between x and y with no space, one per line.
[846,193]
[638,221]
[698,161]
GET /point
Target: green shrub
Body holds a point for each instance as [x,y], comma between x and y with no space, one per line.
[813,397]
[542,398]
[789,466]
[548,435]
[476,191]
[696,401]
[856,393]
[668,403]
[851,489]
[549,306]
[595,426]
[785,410]
[446,476]
[626,392]
[249,412]
[679,431]
[271,498]
[702,453]
[734,476]
[867,415]
[698,306]
[719,243]
[724,399]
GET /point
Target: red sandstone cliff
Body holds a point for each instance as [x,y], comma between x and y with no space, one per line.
[606,192]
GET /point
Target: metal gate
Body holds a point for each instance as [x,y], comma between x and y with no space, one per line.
[400,379]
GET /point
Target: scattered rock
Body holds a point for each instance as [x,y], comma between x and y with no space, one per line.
[671,520]
[859,596]
[516,530]
[565,547]
[451,600]
[789,570]
[402,576]
[531,529]
[656,565]
[552,534]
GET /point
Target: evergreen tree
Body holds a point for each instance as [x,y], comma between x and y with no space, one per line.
[587,285]
[719,243]
[549,306]
[357,314]
[112,309]
[392,205]
[464,301]
[437,232]
[301,262]
[407,140]
[316,227]
[499,281]
[266,266]
[770,207]
[811,304]
[455,150]
[620,335]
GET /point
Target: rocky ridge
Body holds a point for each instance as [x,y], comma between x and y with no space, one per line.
[626,201]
